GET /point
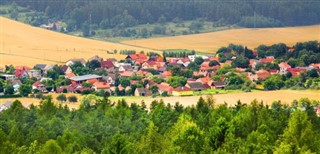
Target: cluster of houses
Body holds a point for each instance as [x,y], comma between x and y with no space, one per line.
[140,65]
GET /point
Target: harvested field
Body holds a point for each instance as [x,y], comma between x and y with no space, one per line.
[22,44]
[285,96]
[250,37]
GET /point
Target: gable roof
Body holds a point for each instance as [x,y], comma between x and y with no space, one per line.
[195,85]
[284,65]
[101,85]
[41,66]
[107,64]
[137,56]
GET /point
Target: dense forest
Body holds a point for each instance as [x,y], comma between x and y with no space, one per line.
[126,13]
[107,127]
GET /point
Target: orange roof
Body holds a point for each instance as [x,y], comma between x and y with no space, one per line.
[284,65]
[138,56]
[167,73]
[267,60]
[204,80]
[126,74]
[101,85]
[70,75]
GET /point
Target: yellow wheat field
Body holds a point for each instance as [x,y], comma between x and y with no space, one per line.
[285,96]
[210,42]
[22,44]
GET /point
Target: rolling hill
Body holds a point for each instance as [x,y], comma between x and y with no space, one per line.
[22,44]
[250,37]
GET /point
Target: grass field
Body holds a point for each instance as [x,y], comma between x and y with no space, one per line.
[250,37]
[22,44]
[285,96]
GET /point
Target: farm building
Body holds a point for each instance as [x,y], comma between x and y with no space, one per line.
[182,91]
[195,86]
[91,78]
[142,92]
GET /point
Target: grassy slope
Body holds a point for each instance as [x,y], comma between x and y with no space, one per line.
[22,44]
[210,42]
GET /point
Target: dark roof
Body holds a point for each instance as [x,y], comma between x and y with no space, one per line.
[41,66]
[196,85]
[218,84]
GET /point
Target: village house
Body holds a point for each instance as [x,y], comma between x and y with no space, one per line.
[159,66]
[91,78]
[66,69]
[162,87]
[195,86]
[72,61]
[218,85]
[34,73]
[110,78]
[39,86]
[101,86]
[107,64]
[137,58]
[283,67]
[182,91]
[21,73]
[156,58]
[142,92]
[126,74]
[96,57]
[40,66]
[15,84]
[7,77]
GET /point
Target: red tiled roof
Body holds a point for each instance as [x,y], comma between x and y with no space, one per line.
[19,72]
[266,60]
[107,64]
[138,56]
[126,74]
[36,83]
[101,85]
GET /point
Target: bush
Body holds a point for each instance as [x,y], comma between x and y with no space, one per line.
[72,99]
[62,98]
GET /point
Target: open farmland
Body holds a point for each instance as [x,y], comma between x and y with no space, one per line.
[22,44]
[285,96]
[250,37]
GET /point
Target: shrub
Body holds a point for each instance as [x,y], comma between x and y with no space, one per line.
[62,98]
[72,99]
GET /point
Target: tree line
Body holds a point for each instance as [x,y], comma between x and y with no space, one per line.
[102,126]
[121,14]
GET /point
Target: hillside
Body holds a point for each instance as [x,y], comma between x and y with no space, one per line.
[22,44]
[250,37]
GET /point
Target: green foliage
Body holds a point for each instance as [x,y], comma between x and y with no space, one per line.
[176,81]
[9,90]
[25,89]
[273,82]
[102,126]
